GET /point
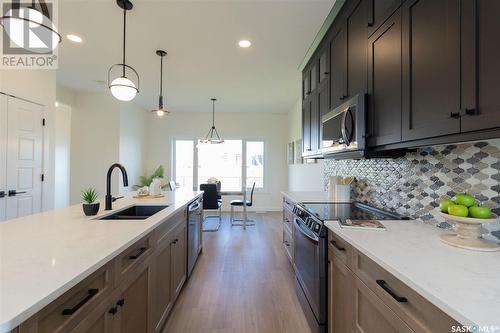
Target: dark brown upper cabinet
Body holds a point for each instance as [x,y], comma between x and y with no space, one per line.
[384,83]
[379,11]
[306,127]
[431,68]
[337,66]
[315,123]
[356,38]
[480,64]
[324,65]
[306,84]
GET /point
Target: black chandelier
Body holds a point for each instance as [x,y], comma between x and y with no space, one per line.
[213,136]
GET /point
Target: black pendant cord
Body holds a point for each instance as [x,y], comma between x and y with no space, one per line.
[213,113]
[161,84]
[124,38]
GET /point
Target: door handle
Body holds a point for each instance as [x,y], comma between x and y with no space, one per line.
[2,194]
[13,193]
[455,115]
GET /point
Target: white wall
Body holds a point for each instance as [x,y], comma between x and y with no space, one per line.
[133,122]
[37,86]
[272,128]
[302,177]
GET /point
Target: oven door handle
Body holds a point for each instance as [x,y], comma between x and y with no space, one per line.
[306,233]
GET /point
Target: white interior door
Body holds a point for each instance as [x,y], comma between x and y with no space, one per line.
[3,155]
[24,158]
[62,155]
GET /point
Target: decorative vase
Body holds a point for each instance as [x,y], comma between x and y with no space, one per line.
[91,209]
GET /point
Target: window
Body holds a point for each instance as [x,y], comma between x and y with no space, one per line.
[228,162]
[221,161]
[255,163]
[184,162]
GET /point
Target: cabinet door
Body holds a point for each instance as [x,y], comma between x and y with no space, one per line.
[161,284]
[372,315]
[340,296]
[337,66]
[314,75]
[379,11]
[306,127]
[103,319]
[480,28]
[315,122]
[356,36]
[179,256]
[133,304]
[384,83]
[324,64]
[306,83]
[324,107]
[431,68]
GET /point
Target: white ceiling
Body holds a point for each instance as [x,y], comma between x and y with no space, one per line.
[201,39]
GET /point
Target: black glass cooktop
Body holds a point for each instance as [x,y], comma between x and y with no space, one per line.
[353,211]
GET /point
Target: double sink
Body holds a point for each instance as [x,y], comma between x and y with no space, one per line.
[135,212]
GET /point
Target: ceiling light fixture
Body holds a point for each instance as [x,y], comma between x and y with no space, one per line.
[74,38]
[14,21]
[213,136]
[161,111]
[244,43]
[122,87]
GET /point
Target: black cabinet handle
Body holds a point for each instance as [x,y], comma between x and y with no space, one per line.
[326,73]
[13,193]
[342,97]
[337,246]
[121,302]
[2,194]
[113,310]
[370,24]
[138,254]
[286,243]
[384,286]
[90,293]
[175,241]
[455,115]
[470,112]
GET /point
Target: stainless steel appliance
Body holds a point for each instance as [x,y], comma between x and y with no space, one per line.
[344,129]
[311,252]
[194,234]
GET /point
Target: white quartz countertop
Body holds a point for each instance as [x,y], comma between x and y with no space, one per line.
[43,255]
[304,196]
[464,284]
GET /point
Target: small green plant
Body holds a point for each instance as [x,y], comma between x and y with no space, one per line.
[146,181]
[89,195]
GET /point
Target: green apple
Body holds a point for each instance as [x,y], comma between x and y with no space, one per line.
[466,200]
[444,204]
[458,210]
[480,212]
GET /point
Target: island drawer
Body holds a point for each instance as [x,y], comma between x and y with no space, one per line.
[287,217]
[288,244]
[288,203]
[67,310]
[418,313]
[340,248]
[133,257]
[162,232]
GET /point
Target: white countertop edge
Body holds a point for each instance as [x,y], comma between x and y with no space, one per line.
[12,323]
[406,280]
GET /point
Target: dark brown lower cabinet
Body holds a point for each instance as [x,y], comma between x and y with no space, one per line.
[384,83]
[179,258]
[431,68]
[340,296]
[100,320]
[133,305]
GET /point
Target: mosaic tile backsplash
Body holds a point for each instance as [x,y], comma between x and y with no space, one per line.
[414,184]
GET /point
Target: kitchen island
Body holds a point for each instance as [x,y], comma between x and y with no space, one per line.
[43,256]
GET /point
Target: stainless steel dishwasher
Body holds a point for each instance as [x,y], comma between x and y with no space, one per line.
[194,221]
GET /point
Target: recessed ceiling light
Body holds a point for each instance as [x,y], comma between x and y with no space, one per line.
[244,43]
[74,38]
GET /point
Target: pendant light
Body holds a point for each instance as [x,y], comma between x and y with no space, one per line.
[161,111]
[123,88]
[14,22]
[212,135]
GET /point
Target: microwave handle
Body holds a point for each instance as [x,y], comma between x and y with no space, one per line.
[344,129]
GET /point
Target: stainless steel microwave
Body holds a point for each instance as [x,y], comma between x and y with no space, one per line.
[344,129]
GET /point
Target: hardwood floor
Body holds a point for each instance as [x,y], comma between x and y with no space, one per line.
[242,282]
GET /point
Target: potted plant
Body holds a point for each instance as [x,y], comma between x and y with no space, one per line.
[90,207]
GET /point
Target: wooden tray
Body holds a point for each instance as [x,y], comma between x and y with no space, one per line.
[148,196]
[468,233]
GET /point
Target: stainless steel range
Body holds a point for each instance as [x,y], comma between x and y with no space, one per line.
[311,252]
